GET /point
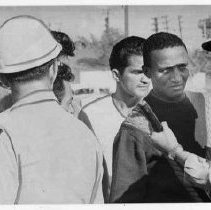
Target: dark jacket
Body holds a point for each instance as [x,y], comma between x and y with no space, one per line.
[143,174]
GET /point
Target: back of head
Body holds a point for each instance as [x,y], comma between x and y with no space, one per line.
[159,41]
[25,44]
[64,71]
[64,74]
[123,50]
[68,45]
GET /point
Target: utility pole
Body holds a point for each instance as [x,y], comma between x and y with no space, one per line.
[107,21]
[202,26]
[126,20]
[166,22]
[155,24]
[205,28]
[180,25]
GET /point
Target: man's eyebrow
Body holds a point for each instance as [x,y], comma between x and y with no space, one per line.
[182,64]
[138,70]
[170,67]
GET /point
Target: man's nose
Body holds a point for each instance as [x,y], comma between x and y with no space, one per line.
[176,75]
[145,79]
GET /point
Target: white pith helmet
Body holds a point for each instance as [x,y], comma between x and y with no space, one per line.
[25,43]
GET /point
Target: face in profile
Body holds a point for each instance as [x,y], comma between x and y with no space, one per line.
[67,95]
[133,82]
[67,60]
[169,72]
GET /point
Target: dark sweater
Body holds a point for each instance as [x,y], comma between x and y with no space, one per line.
[143,174]
[180,117]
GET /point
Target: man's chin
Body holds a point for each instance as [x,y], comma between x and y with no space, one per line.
[142,94]
[140,97]
[176,96]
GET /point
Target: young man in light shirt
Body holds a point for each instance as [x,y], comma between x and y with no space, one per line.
[105,115]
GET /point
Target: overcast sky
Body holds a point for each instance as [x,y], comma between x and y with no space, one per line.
[84,20]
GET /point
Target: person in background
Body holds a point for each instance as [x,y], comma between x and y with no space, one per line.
[141,173]
[105,115]
[47,156]
[63,91]
[62,85]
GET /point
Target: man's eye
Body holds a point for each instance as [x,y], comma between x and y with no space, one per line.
[164,71]
[137,72]
[182,68]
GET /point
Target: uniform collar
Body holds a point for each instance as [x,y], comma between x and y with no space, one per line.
[34,97]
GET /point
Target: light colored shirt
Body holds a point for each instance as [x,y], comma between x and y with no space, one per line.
[47,156]
[102,117]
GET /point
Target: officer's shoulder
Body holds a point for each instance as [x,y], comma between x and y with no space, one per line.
[4,116]
[80,130]
[77,126]
[4,119]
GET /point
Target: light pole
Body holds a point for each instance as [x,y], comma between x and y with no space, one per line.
[126,20]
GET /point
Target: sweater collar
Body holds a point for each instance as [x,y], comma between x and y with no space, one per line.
[167,102]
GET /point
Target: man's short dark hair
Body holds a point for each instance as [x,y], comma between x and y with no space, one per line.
[68,45]
[32,74]
[159,41]
[121,51]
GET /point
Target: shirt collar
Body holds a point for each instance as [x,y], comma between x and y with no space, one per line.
[35,97]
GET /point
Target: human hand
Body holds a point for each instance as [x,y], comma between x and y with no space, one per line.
[196,170]
[165,141]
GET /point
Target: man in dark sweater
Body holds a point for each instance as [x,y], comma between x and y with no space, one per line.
[140,172]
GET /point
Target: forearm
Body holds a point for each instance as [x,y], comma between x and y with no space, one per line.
[181,155]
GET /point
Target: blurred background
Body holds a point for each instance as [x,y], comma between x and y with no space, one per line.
[95,29]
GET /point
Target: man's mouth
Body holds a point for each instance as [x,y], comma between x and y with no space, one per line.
[177,86]
[143,86]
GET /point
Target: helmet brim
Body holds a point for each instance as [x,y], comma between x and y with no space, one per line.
[18,67]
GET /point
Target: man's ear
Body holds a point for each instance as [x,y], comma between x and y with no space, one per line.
[146,71]
[116,75]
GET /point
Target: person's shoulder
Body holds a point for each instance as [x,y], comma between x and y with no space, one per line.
[191,98]
[135,127]
[79,130]
[137,121]
[5,120]
[99,103]
[194,96]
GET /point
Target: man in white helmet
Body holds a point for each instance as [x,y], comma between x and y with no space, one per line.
[46,155]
